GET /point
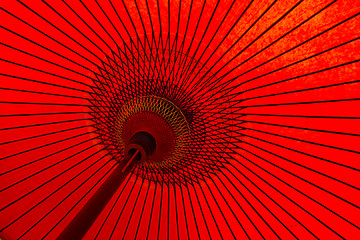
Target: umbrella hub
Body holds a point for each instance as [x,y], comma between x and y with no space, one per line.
[161,119]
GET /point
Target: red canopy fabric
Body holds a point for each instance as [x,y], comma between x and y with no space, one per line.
[270,90]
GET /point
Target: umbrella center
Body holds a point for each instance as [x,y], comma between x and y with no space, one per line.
[160,118]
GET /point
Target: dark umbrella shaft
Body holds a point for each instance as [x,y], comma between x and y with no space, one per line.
[82,222]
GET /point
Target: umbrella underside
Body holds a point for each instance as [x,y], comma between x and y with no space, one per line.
[255,102]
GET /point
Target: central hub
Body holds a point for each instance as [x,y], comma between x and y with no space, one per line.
[162,120]
[157,127]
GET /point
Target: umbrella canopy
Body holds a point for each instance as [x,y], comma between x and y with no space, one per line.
[255,102]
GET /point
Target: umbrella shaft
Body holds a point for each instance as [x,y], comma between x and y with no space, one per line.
[82,222]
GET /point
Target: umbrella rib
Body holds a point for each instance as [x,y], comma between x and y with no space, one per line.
[222,21]
[229,207]
[175,43]
[286,195]
[42,71]
[304,128]
[179,52]
[145,83]
[211,212]
[176,213]
[192,40]
[133,64]
[106,173]
[308,74]
[159,219]
[333,194]
[42,170]
[63,31]
[297,103]
[305,141]
[202,212]
[168,209]
[327,191]
[248,202]
[113,206]
[230,89]
[280,38]
[296,116]
[192,210]
[146,39]
[248,29]
[236,216]
[50,211]
[48,49]
[43,135]
[307,154]
[43,184]
[43,124]
[297,91]
[292,64]
[251,192]
[137,35]
[52,154]
[107,33]
[42,114]
[45,83]
[127,199]
[130,38]
[231,28]
[44,93]
[151,212]
[133,209]
[82,56]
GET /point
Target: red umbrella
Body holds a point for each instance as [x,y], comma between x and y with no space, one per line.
[252,106]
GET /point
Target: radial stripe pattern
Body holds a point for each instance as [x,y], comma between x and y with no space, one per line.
[269,90]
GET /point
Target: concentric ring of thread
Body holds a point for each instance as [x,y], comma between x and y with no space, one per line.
[170,113]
